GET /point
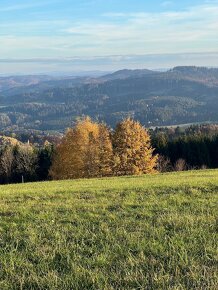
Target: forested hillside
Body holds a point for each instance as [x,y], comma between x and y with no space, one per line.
[180,95]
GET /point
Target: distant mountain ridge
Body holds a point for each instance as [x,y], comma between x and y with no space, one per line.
[7,83]
[197,73]
[180,95]
[127,73]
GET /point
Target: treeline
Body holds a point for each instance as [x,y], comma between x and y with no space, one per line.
[195,147]
[91,149]
[25,163]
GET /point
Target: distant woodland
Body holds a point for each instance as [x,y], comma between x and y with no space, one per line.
[178,96]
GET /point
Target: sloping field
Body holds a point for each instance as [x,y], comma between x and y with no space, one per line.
[149,232]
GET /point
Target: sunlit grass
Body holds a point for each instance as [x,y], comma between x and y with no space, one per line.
[148,232]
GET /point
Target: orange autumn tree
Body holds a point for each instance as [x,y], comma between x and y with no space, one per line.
[105,152]
[133,153]
[85,151]
[98,161]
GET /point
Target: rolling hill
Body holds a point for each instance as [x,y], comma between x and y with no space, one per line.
[177,96]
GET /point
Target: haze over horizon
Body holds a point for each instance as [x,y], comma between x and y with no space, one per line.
[68,36]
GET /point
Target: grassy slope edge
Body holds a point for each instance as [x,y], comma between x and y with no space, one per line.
[148,232]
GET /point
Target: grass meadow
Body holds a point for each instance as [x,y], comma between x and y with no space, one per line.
[147,232]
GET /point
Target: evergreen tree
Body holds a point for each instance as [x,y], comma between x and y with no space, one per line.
[44,160]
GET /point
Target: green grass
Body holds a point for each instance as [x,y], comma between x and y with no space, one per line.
[149,232]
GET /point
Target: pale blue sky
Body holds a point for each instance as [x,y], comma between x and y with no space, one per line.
[106,34]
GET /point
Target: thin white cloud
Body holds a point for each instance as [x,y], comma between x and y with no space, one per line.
[23,6]
[194,24]
[166,3]
[193,29]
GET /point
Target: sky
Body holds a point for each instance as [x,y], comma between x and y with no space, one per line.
[41,36]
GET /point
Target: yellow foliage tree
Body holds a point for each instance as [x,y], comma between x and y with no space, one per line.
[132,149]
[84,152]
[105,152]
